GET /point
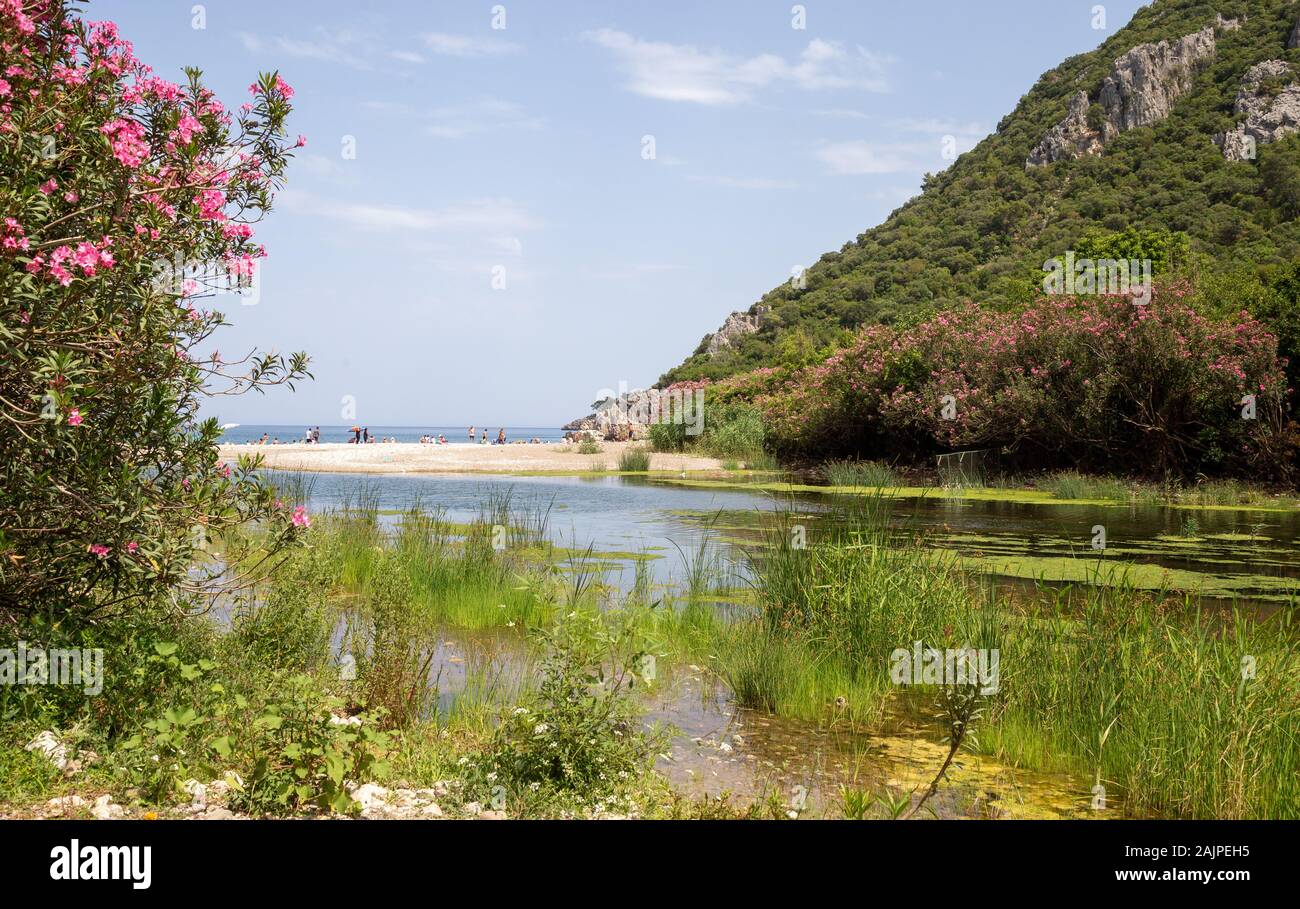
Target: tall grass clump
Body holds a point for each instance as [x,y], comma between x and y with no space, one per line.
[1069,484]
[831,611]
[634,460]
[469,575]
[859,473]
[1174,712]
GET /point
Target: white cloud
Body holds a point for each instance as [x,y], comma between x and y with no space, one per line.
[338,46]
[457,121]
[860,157]
[479,116]
[840,113]
[406,56]
[630,271]
[744,182]
[934,126]
[682,72]
[493,218]
[466,46]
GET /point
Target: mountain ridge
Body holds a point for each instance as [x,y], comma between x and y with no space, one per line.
[982,228]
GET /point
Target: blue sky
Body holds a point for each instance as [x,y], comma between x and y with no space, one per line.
[519,154]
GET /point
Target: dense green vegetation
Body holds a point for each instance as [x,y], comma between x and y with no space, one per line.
[982,229]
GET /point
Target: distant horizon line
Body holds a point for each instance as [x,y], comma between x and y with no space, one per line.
[307,423]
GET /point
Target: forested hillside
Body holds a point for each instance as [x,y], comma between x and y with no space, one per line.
[981,230]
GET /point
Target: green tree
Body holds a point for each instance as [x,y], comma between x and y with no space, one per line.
[127,201]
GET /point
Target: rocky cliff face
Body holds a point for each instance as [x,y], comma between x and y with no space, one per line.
[737,325]
[1140,90]
[1265,115]
[1071,138]
[1146,82]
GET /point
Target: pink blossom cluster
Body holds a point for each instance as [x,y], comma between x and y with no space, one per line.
[87,256]
[127,139]
[1067,376]
[14,237]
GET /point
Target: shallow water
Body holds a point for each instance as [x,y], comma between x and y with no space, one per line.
[1225,555]
[719,750]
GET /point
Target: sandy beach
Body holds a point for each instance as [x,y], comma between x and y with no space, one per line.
[412,457]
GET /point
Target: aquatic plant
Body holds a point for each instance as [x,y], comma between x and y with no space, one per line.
[634,460]
[1072,485]
[580,733]
[859,473]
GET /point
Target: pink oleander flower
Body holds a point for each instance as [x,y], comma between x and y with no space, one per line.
[211,203]
[300,517]
[127,140]
[74,417]
[98,549]
[132,546]
[187,128]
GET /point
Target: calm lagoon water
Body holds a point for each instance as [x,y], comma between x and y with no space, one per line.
[719,748]
[1252,556]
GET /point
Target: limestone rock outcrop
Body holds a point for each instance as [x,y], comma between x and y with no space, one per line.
[1144,83]
[1264,113]
[737,325]
[1141,89]
[1071,138]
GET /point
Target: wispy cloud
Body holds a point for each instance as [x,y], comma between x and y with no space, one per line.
[407,56]
[450,45]
[914,146]
[862,157]
[458,121]
[480,116]
[935,126]
[492,217]
[840,113]
[744,182]
[629,271]
[331,45]
[683,72]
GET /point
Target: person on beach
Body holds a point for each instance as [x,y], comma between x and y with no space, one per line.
[484,439]
[471,435]
[501,436]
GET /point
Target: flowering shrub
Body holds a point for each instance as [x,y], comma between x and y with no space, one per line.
[581,733]
[109,481]
[1093,381]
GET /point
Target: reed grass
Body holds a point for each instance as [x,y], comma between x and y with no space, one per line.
[859,473]
[1174,711]
[634,460]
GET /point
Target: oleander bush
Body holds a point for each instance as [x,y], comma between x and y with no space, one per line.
[127,202]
